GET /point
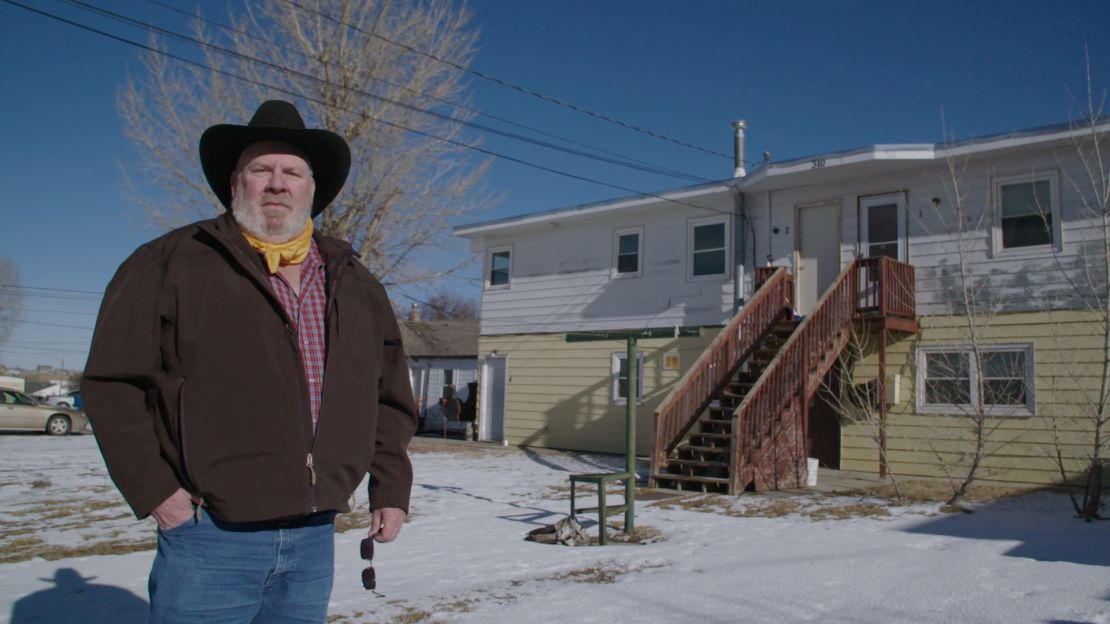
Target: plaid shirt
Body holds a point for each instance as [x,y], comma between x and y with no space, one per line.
[307,312]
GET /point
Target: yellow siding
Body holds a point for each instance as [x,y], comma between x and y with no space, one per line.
[558,393]
[1067,369]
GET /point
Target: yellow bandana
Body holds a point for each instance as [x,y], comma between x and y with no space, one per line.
[289,252]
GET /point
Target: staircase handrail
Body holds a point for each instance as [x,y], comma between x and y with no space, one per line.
[716,364]
[785,374]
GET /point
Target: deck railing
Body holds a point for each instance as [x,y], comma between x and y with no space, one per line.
[886,287]
[787,377]
[691,395]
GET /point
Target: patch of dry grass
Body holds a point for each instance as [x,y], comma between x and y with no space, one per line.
[603,572]
[16,530]
[422,444]
[412,615]
[640,535]
[598,573]
[25,549]
[939,491]
[725,505]
[696,502]
[352,521]
[18,549]
[775,508]
[815,508]
[848,511]
[458,605]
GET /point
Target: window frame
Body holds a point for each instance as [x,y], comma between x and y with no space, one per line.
[691,226]
[1028,377]
[614,383]
[614,272]
[1057,221]
[488,281]
[869,201]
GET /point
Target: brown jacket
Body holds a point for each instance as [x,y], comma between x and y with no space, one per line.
[195,379]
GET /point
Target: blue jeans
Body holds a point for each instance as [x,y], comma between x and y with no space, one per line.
[220,572]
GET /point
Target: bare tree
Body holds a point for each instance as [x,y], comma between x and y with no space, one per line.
[971,380]
[11,298]
[351,67]
[447,305]
[1088,278]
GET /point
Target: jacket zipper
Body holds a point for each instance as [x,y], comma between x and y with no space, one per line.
[328,303]
[331,290]
[311,472]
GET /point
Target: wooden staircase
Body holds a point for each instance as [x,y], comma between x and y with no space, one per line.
[737,419]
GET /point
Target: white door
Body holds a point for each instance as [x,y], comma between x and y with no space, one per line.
[817,252]
[492,397]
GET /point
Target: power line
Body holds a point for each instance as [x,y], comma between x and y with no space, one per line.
[442,100]
[55,325]
[295,94]
[53,342]
[58,312]
[39,351]
[42,288]
[444,117]
[513,86]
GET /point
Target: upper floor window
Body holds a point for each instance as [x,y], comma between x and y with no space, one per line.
[708,246]
[954,379]
[1027,214]
[627,251]
[500,267]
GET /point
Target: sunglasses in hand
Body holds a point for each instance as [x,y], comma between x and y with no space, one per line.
[366,549]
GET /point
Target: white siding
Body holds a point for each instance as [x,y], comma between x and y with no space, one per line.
[1012,281]
[561,275]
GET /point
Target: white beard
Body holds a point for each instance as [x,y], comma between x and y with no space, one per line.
[251,219]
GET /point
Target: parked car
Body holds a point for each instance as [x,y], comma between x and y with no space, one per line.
[20,411]
[69,399]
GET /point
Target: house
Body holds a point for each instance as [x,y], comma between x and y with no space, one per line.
[782,269]
[442,357]
[50,389]
[13,383]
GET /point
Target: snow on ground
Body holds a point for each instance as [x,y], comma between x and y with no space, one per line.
[462,557]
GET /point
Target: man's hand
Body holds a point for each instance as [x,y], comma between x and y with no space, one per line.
[174,511]
[385,523]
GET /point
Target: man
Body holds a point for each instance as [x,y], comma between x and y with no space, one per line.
[245,374]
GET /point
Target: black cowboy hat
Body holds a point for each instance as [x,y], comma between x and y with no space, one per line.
[275,120]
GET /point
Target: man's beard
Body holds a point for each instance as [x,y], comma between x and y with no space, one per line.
[254,221]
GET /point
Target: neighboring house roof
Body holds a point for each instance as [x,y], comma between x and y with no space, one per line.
[449,339]
[880,159]
[32,387]
[840,165]
[685,193]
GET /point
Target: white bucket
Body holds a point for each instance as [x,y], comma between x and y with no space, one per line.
[811,474]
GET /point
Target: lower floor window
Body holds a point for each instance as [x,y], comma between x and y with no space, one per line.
[620,378]
[958,379]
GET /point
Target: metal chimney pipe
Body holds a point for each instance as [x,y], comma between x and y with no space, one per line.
[738,127]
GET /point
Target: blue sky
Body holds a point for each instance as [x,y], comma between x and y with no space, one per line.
[809,77]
